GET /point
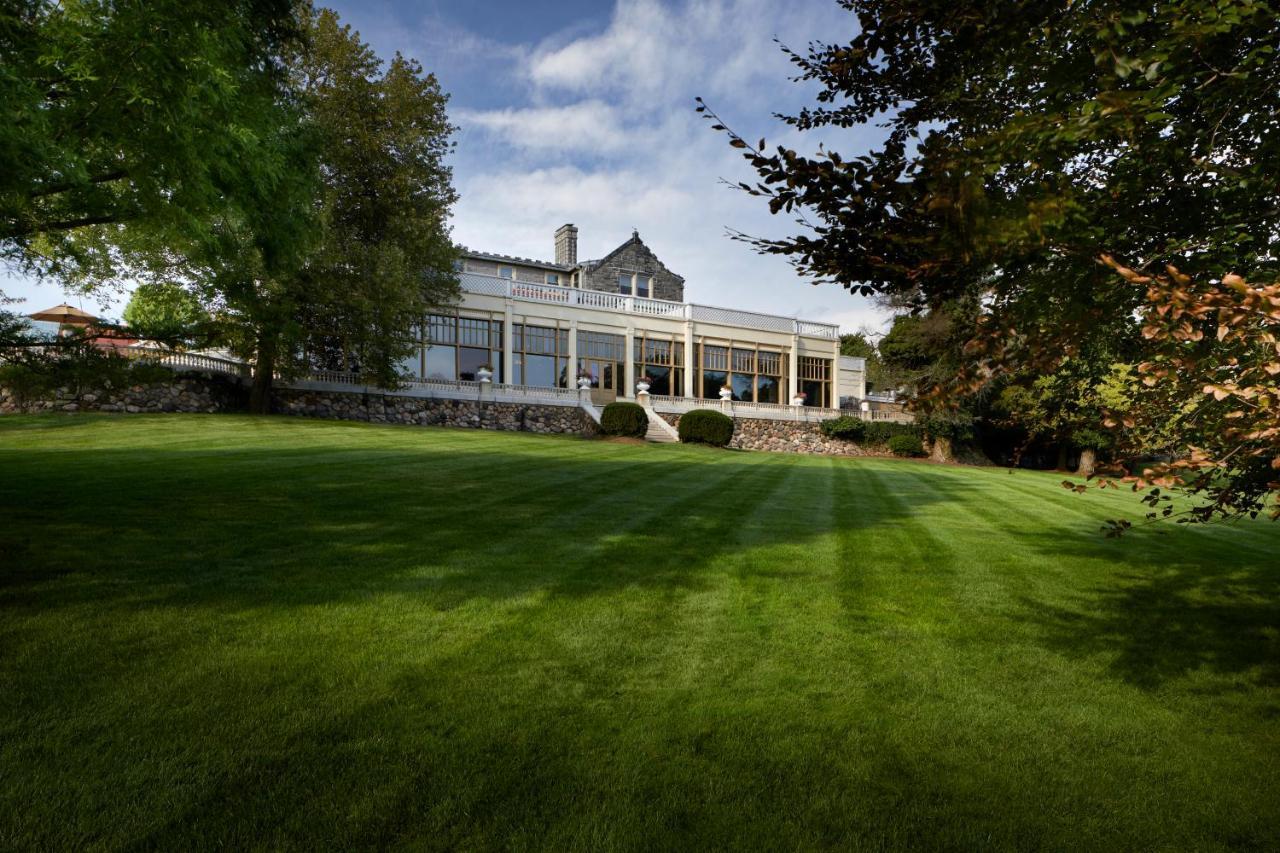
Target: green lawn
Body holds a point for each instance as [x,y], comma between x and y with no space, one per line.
[218,631]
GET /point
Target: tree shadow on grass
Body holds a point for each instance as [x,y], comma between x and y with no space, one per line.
[1171,600]
[1166,623]
[444,523]
[463,747]
[279,527]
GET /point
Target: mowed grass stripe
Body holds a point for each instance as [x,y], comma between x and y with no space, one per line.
[379,636]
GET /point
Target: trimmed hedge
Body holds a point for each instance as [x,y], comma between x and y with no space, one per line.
[870,433]
[845,427]
[906,445]
[624,419]
[704,426]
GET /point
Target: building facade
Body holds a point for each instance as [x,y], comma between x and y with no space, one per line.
[618,320]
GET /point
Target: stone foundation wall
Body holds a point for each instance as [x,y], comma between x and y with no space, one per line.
[187,392]
[392,409]
[787,437]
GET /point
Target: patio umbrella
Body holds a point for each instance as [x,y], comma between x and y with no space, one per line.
[64,315]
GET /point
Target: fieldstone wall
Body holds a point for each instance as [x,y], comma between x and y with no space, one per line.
[787,437]
[187,392]
[393,409]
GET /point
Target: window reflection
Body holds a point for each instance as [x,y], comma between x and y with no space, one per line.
[442,363]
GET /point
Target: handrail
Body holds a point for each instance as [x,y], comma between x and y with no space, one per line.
[487,285]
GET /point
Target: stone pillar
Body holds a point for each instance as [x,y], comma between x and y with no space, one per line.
[793,368]
[690,355]
[629,375]
[508,357]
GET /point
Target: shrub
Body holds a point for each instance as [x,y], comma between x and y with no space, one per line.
[880,432]
[906,445]
[703,426]
[845,427]
[76,366]
[624,419]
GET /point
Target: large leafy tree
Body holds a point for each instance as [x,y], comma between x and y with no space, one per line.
[129,125]
[380,257]
[166,311]
[1021,144]
[385,256]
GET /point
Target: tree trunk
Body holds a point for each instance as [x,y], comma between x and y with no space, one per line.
[942,450]
[263,373]
[1062,457]
[1088,462]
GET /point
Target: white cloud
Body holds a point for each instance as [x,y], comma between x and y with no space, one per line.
[606,137]
[590,125]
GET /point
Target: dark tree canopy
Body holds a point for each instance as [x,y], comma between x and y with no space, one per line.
[1022,144]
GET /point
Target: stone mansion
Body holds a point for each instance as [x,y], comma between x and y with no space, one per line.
[616,321]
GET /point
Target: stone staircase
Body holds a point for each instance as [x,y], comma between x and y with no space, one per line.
[659,430]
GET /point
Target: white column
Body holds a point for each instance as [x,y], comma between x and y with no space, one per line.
[793,367]
[573,354]
[689,355]
[508,357]
[629,377]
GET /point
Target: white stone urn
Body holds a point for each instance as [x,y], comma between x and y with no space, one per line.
[584,383]
[484,374]
[726,394]
[797,400]
[642,387]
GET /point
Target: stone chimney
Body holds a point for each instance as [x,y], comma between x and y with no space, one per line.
[567,245]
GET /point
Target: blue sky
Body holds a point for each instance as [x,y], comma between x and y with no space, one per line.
[583,112]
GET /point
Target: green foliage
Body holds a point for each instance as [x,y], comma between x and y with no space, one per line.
[628,419]
[77,366]
[906,445]
[131,127]
[705,426]
[957,426]
[1022,144]
[166,311]
[1092,439]
[384,258]
[846,427]
[878,433]
[869,433]
[1068,406]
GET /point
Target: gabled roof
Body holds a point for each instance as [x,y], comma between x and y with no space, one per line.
[635,240]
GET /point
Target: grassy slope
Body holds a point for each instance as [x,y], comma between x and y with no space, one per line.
[216,630]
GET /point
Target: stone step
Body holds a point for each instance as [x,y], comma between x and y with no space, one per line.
[657,434]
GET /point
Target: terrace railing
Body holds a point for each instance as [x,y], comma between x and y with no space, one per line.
[185,360]
[485,285]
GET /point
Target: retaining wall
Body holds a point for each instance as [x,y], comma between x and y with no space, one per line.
[424,411]
[188,392]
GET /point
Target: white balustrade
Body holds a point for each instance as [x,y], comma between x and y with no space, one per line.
[485,285]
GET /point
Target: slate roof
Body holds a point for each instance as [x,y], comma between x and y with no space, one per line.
[531,262]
